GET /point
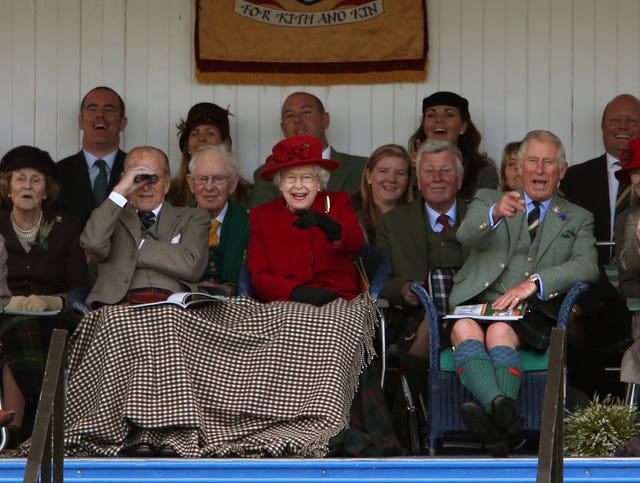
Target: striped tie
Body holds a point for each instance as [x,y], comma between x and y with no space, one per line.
[444,221]
[623,199]
[533,220]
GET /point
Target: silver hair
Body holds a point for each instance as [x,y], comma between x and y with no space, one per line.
[431,146]
[221,148]
[542,135]
[322,174]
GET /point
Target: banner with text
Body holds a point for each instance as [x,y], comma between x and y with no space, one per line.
[285,42]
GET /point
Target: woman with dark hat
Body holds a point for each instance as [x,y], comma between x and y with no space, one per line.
[207,124]
[627,227]
[446,117]
[44,263]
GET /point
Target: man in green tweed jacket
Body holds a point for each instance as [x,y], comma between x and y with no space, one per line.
[525,245]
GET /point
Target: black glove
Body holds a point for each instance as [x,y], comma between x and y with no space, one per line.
[313,295]
[309,218]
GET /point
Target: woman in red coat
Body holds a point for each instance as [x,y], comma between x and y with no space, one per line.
[301,246]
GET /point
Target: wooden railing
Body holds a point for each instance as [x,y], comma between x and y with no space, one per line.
[551,449]
[46,454]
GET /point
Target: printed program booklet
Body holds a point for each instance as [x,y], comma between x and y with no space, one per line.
[185,300]
[486,312]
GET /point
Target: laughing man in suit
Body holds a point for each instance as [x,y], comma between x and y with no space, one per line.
[525,245]
[102,119]
[303,113]
[143,244]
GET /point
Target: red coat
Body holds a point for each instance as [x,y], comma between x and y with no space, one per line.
[280,256]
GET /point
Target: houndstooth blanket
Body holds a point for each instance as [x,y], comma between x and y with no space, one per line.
[238,378]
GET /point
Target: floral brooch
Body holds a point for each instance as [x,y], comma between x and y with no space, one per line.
[556,210]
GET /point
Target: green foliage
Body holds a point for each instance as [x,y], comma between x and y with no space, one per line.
[598,429]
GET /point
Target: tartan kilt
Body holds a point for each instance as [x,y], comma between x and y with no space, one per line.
[25,343]
[235,378]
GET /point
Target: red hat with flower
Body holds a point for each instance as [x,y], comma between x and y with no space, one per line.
[629,160]
[295,151]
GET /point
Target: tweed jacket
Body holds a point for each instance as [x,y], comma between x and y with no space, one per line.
[402,234]
[76,194]
[566,252]
[281,257]
[346,177]
[173,255]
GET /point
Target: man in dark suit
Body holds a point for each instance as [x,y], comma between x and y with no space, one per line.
[87,177]
[525,245]
[144,245]
[303,113]
[592,184]
[604,320]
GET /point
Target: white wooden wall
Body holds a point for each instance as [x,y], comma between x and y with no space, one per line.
[523,64]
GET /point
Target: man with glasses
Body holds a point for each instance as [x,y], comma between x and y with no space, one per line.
[213,178]
[146,249]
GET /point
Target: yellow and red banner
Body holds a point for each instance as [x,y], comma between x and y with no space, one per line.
[311,41]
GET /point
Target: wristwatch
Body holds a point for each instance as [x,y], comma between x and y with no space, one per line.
[535,279]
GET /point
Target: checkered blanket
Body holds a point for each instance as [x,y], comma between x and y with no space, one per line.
[239,378]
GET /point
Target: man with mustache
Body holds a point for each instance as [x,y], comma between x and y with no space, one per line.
[87,177]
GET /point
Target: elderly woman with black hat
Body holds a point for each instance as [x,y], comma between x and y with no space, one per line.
[45,262]
[301,245]
[207,124]
[446,117]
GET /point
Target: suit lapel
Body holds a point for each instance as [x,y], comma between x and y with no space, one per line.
[418,224]
[130,220]
[554,220]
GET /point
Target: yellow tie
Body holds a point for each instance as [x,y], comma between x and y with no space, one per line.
[213,233]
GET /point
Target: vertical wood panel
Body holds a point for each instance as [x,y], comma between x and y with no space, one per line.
[23,69]
[472,61]
[180,72]
[91,37]
[493,68]
[7,122]
[539,49]
[515,73]
[627,48]
[157,96]
[560,73]
[136,79]
[584,112]
[46,75]
[449,44]
[68,81]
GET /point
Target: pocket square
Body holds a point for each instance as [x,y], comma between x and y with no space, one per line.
[176,239]
[568,234]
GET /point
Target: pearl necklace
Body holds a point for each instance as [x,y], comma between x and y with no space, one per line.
[26,234]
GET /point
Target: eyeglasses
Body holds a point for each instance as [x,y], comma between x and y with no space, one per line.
[216,180]
[304,179]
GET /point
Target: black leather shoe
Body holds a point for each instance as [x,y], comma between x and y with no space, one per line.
[504,412]
[167,451]
[477,419]
[142,450]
